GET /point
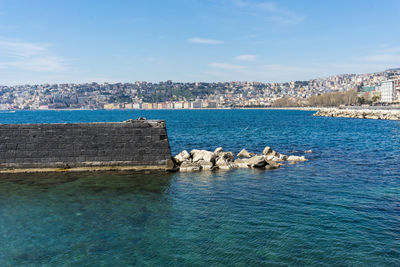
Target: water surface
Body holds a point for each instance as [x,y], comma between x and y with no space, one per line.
[340,208]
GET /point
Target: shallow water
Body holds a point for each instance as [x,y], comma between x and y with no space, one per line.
[340,208]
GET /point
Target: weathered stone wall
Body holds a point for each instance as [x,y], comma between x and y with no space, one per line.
[132,143]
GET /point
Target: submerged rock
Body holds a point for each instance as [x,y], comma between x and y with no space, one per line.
[272,166]
[188,166]
[170,166]
[256,161]
[296,158]
[206,165]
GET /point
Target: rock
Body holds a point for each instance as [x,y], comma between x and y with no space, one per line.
[226,155]
[206,165]
[182,156]
[188,166]
[296,158]
[267,150]
[240,163]
[282,157]
[202,155]
[244,154]
[218,150]
[274,153]
[170,166]
[308,151]
[272,166]
[224,164]
[361,114]
[256,162]
[272,158]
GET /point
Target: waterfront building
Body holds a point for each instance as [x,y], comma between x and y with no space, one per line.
[390,91]
[196,104]
[178,105]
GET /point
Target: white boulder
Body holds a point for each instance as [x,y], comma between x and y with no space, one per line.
[218,150]
[240,163]
[226,155]
[244,154]
[182,156]
[202,155]
[224,164]
[267,150]
[296,158]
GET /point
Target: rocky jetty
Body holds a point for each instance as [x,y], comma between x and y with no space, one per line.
[198,160]
[360,114]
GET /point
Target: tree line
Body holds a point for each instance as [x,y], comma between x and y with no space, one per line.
[333,99]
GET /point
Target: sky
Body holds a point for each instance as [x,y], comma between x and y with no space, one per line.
[81,41]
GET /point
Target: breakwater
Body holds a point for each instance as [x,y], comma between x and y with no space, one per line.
[133,144]
[360,113]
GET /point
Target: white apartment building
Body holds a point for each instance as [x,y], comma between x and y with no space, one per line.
[390,91]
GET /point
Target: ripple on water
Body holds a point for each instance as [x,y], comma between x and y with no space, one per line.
[340,208]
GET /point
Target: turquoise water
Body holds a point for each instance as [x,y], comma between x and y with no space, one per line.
[340,208]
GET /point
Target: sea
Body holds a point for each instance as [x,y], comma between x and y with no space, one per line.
[340,208]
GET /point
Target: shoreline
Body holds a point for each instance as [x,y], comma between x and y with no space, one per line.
[374,114]
[248,108]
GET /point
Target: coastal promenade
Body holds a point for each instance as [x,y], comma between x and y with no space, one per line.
[360,113]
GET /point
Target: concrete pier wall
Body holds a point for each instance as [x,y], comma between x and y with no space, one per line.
[135,143]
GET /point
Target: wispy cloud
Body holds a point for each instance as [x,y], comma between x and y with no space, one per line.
[387,55]
[21,49]
[198,40]
[273,12]
[226,66]
[40,64]
[246,57]
[29,56]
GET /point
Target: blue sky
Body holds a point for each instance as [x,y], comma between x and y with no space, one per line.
[195,40]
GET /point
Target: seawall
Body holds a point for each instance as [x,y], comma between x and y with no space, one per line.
[130,145]
[360,113]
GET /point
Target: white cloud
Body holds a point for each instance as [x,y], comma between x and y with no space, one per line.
[226,66]
[19,55]
[246,57]
[197,40]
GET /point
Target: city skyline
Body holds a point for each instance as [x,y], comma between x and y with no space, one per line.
[185,41]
